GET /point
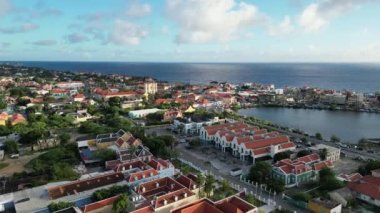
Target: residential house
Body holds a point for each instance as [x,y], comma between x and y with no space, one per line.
[105,94]
[142,113]
[300,170]
[193,125]
[79,97]
[17,118]
[367,189]
[227,205]
[171,115]
[4,118]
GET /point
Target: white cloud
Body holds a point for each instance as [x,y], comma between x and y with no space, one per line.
[284,27]
[27,27]
[125,32]
[317,15]
[5,6]
[137,10]
[202,21]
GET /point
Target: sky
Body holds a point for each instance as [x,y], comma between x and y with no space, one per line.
[190,30]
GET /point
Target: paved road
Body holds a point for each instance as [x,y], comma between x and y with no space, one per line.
[350,152]
[191,157]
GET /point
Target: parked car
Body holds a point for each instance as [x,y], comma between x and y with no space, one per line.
[236,172]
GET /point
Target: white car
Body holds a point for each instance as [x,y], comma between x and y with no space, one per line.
[236,172]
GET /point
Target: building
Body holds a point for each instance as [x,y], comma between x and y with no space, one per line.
[336,99]
[105,94]
[193,125]
[17,118]
[332,153]
[318,205]
[245,141]
[79,97]
[150,88]
[4,118]
[300,170]
[142,113]
[367,189]
[171,115]
[227,205]
[70,85]
[119,141]
[164,195]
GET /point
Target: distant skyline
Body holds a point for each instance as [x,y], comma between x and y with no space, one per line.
[190,30]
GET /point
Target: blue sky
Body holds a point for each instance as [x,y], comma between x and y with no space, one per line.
[191,30]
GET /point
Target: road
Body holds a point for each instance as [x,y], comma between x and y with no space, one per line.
[191,157]
[350,152]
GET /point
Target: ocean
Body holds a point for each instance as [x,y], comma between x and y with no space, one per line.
[339,76]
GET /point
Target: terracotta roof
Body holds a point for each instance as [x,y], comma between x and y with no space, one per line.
[130,165]
[83,185]
[368,189]
[199,206]
[287,145]
[170,197]
[142,174]
[267,142]
[309,158]
[323,164]
[186,181]
[100,204]
[371,179]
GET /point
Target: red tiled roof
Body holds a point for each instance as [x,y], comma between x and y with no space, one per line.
[100,204]
[287,145]
[142,174]
[371,179]
[368,189]
[323,164]
[267,142]
[309,158]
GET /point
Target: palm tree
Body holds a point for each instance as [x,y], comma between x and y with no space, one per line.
[209,185]
[200,181]
[225,186]
[122,204]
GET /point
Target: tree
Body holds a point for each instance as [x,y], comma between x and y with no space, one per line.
[334,139]
[318,136]
[371,165]
[323,153]
[259,172]
[209,185]
[64,137]
[105,154]
[281,155]
[302,196]
[328,181]
[11,147]
[225,186]
[200,181]
[114,101]
[303,153]
[3,103]
[53,207]
[122,204]
[276,185]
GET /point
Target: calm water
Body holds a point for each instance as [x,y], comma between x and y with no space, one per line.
[359,77]
[349,126]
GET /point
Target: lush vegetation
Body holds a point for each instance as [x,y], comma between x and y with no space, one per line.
[261,173]
[57,163]
[102,194]
[105,154]
[122,204]
[59,205]
[11,147]
[253,200]
[302,196]
[281,155]
[328,181]
[371,165]
[303,153]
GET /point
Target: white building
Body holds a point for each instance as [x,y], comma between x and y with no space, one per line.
[142,113]
[332,154]
[189,126]
[70,85]
[150,88]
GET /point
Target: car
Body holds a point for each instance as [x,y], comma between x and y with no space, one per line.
[236,172]
[15,155]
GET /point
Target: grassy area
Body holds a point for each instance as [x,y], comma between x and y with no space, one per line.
[3,165]
[185,169]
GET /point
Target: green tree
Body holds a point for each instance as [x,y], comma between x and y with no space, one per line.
[209,185]
[105,154]
[64,137]
[371,165]
[322,153]
[318,136]
[63,171]
[334,139]
[281,155]
[122,204]
[225,186]
[53,207]
[200,182]
[3,103]
[11,147]
[259,172]
[302,196]
[303,153]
